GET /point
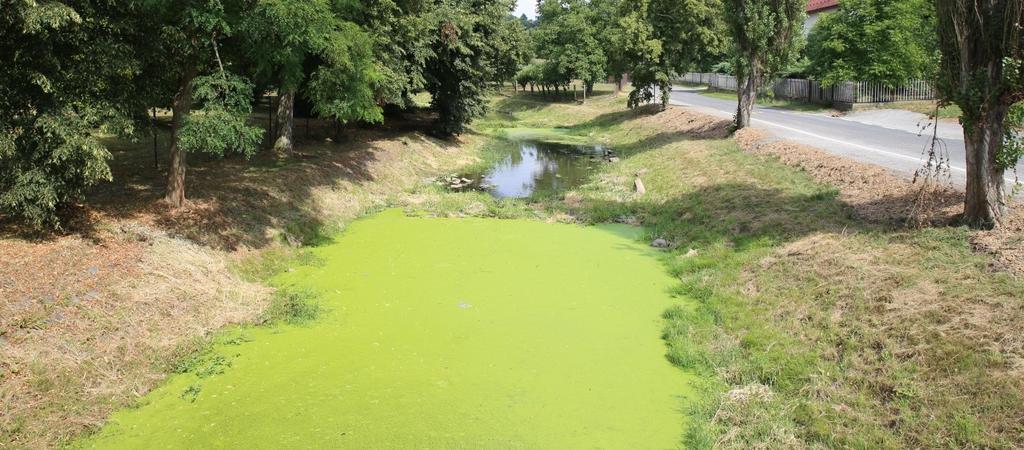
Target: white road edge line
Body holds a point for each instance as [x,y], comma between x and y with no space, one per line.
[852,144]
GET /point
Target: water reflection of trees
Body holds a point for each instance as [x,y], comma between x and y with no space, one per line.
[542,168]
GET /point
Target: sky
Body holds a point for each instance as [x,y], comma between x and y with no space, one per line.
[526,6]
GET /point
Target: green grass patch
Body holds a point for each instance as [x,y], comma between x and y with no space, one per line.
[951,112]
[791,105]
[292,305]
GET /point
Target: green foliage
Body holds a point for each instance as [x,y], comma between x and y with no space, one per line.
[510,50]
[724,67]
[529,75]
[888,41]
[66,68]
[568,42]
[660,38]
[401,37]
[75,67]
[342,87]
[460,67]
[50,163]
[221,125]
[295,43]
[765,33]
[1013,140]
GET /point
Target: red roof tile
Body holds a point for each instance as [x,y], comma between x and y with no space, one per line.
[818,5]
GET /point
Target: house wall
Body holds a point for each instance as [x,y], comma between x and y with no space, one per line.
[817,8]
[812,18]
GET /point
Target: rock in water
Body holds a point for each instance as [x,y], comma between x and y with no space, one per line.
[659,243]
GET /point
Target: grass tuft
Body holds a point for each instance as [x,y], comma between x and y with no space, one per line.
[295,306]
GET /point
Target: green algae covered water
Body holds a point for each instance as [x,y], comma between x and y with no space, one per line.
[442,334]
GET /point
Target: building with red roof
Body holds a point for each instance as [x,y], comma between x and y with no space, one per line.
[815,8]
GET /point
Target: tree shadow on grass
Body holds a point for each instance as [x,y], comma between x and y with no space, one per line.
[235,203]
[734,213]
[652,143]
[740,214]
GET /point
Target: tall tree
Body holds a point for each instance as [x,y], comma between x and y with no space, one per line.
[510,51]
[982,72]
[190,33]
[662,38]
[765,34]
[567,39]
[460,67]
[609,35]
[888,41]
[281,36]
[67,69]
[401,37]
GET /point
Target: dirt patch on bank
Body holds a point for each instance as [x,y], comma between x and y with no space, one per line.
[1006,244]
[693,124]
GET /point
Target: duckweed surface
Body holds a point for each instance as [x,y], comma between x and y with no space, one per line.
[443,334]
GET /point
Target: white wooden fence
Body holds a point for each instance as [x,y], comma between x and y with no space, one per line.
[843,94]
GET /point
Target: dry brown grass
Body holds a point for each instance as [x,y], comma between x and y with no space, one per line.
[114,313]
[92,320]
[693,124]
[930,342]
[1005,244]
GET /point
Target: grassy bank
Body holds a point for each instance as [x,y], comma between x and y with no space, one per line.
[819,329]
[949,112]
[780,103]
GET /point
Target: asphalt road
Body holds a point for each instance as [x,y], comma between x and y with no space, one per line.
[896,147]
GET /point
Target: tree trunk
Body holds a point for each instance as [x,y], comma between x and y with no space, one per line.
[618,85]
[747,93]
[665,89]
[985,201]
[156,144]
[285,122]
[180,109]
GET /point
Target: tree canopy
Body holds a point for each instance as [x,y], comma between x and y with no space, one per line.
[568,42]
[662,38]
[67,71]
[765,36]
[889,41]
[75,67]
